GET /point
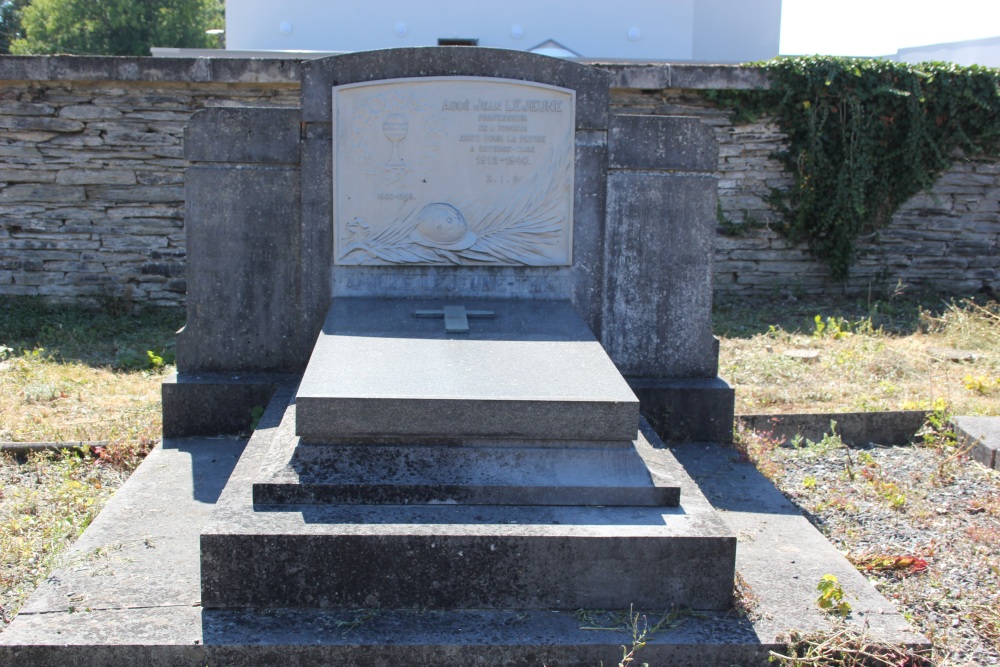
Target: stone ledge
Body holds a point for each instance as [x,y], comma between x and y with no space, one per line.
[854,428]
[145,69]
[286,71]
[649,76]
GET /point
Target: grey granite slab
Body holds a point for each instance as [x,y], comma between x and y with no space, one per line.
[502,474]
[533,370]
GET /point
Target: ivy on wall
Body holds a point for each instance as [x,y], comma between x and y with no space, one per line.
[863,137]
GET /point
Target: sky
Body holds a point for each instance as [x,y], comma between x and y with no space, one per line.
[880,27]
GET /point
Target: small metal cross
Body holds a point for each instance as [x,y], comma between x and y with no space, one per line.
[456,318]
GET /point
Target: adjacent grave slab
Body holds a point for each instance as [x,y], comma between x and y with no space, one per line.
[983,434]
[459,556]
[532,370]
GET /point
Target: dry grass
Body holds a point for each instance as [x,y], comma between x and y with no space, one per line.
[73,374]
[69,374]
[44,400]
[867,360]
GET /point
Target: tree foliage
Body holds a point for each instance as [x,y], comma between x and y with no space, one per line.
[116,27]
[10,22]
[864,136]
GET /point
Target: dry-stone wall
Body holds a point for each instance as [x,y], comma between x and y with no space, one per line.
[946,239]
[92,175]
[91,182]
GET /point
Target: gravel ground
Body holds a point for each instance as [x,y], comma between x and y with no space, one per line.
[922,520]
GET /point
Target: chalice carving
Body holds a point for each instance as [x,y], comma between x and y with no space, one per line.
[395,128]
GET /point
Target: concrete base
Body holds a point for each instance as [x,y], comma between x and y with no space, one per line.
[854,428]
[982,435]
[128,591]
[214,403]
[687,410]
[457,556]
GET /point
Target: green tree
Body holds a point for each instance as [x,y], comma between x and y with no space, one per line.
[116,27]
[10,22]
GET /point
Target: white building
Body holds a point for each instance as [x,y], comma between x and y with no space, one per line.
[718,31]
[984,52]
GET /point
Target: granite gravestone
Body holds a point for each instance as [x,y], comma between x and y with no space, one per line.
[623,227]
[458,428]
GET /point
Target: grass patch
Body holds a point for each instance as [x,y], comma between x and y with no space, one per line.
[846,356]
[46,502]
[71,374]
[108,338]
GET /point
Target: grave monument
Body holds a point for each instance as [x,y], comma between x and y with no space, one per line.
[459,438]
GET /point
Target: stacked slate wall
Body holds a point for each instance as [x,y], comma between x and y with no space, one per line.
[91,182]
[92,170]
[946,239]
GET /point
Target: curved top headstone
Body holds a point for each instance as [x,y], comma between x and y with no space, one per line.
[320,76]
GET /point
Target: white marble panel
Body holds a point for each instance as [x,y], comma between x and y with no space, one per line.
[453,171]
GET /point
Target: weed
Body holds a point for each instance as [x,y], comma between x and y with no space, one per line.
[809,482]
[884,488]
[634,623]
[838,502]
[155,360]
[980,384]
[831,596]
[840,328]
[757,447]
[256,412]
[845,648]
[745,600]
[937,431]
[830,442]
[866,459]
[884,563]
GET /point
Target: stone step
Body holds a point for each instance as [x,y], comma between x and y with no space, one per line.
[982,436]
[459,475]
[629,473]
[467,557]
[460,556]
[533,370]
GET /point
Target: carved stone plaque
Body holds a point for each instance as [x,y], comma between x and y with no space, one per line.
[453,171]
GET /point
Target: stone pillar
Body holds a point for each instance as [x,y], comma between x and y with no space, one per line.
[246,325]
[657,321]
